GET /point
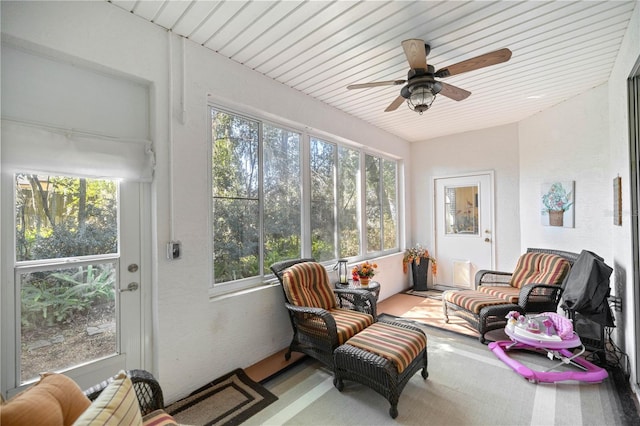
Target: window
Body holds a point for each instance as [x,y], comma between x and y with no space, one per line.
[270,204]
[66,260]
[236,203]
[381,204]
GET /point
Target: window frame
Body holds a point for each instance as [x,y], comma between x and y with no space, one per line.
[266,277]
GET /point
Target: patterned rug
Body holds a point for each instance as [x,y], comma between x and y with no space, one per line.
[229,400]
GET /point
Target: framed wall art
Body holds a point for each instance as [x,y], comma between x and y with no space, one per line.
[557,204]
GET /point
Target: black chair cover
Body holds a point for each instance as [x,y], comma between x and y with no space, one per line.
[587,289]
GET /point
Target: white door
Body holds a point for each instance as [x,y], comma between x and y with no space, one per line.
[463,216]
[75,300]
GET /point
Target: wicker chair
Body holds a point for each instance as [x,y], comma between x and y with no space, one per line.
[498,292]
[319,322]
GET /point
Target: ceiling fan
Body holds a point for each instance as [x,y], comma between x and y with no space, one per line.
[421,85]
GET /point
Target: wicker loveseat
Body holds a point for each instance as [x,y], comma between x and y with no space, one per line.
[535,285]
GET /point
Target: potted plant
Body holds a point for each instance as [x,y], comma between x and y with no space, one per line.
[419,258]
[364,272]
[556,201]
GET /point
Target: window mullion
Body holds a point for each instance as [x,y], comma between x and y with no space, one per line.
[261,234]
[305,211]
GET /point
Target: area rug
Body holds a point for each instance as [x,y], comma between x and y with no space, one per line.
[228,400]
[467,385]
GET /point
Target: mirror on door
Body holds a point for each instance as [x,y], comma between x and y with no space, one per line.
[461,210]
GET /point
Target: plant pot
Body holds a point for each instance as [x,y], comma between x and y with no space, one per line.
[419,273]
[556,217]
[364,281]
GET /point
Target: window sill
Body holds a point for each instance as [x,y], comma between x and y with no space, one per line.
[220,294]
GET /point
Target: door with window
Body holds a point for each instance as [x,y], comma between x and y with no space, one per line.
[74,302]
[463,214]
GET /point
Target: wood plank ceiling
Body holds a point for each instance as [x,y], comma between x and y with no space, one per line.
[560,49]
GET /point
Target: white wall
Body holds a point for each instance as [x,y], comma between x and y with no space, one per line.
[489,149]
[569,142]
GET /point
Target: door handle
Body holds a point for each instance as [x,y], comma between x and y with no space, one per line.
[131,287]
[487,240]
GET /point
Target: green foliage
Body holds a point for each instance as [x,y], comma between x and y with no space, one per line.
[50,298]
[60,217]
[64,217]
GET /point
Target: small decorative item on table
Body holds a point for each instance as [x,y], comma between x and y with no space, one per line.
[364,272]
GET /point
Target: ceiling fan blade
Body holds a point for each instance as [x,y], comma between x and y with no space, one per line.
[416,53]
[453,92]
[488,59]
[395,104]
[376,84]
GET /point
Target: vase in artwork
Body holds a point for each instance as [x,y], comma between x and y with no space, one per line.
[364,281]
[556,217]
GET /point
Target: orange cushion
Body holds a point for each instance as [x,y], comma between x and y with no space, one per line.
[307,284]
[397,344]
[540,268]
[54,400]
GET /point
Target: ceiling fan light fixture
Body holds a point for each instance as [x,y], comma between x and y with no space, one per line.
[421,98]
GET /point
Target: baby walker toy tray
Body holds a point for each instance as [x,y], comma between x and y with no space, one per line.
[548,333]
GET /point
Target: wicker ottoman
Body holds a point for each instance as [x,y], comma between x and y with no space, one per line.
[384,356]
[483,311]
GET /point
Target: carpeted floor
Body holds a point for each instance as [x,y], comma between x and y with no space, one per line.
[229,400]
[467,385]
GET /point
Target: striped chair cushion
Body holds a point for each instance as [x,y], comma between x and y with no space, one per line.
[508,294]
[539,268]
[399,345]
[307,284]
[471,300]
[348,324]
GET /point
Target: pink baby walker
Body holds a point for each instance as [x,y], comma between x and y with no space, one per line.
[551,333]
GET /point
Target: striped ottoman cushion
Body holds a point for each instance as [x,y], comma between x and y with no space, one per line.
[471,300]
[398,345]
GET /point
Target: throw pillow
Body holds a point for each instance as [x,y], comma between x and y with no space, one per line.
[54,400]
[117,405]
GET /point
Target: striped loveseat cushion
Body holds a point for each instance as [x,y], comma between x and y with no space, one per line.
[307,284]
[503,292]
[396,344]
[541,268]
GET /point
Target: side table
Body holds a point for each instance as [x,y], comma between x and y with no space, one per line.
[373,287]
